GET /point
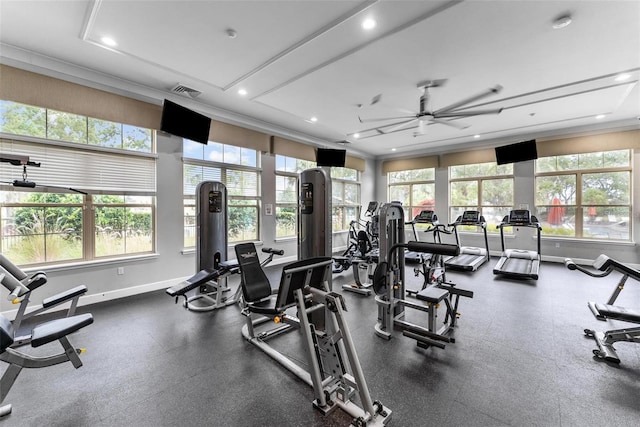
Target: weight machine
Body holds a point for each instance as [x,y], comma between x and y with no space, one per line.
[389,285]
[205,291]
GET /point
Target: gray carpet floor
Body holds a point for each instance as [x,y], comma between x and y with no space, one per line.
[520,359]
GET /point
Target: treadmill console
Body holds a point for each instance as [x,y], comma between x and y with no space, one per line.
[471,217]
[426,217]
[371,209]
[519,216]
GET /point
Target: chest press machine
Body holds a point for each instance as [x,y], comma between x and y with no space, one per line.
[333,368]
[389,285]
[602,267]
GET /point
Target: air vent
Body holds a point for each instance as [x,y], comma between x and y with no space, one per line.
[186,90]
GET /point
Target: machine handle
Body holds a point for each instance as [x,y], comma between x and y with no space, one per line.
[273,251]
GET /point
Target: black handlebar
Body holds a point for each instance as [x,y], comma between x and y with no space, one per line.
[273,251]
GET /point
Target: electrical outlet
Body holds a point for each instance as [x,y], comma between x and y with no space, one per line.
[557,245]
[120,271]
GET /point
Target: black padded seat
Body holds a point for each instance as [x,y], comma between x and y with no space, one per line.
[432,294]
[56,329]
[618,313]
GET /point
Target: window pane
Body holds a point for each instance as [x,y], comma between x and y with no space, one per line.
[609,188]
[286,189]
[243,221]
[66,127]
[138,231]
[189,222]
[286,220]
[497,192]
[557,220]
[423,194]
[232,155]
[42,234]
[104,133]
[561,187]
[20,119]
[192,149]
[110,230]
[606,222]
[464,193]
[427,174]
[351,194]
[337,192]
[337,218]
[620,158]
[400,193]
[213,152]
[242,183]
[136,138]
[493,216]
[344,173]
[248,157]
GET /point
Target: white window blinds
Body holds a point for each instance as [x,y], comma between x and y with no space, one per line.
[88,169]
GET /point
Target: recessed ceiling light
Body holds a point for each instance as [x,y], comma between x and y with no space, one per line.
[622,77]
[242,92]
[393,149]
[108,41]
[356,135]
[313,119]
[368,24]
[476,136]
[561,22]
[600,116]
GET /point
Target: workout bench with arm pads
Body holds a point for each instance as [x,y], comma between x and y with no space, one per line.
[20,286]
[602,267]
[40,335]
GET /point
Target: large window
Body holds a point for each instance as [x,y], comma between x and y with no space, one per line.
[345,197]
[287,172]
[52,223]
[585,195]
[235,167]
[414,188]
[485,187]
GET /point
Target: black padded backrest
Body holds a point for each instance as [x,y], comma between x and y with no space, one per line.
[364,244]
[6,333]
[255,284]
[312,272]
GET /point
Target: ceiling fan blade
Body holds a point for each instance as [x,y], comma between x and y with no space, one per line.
[384,119]
[398,126]
[469,113]
[484,94]
[376,99]
[458,126]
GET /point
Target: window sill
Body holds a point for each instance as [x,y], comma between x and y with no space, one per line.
[85,264]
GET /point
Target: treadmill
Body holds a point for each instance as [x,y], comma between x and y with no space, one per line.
[424,217]
[470,258]
[519,263]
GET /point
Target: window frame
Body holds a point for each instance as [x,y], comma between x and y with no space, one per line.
[409,209]
[580,208]
[480,200]
[233,201]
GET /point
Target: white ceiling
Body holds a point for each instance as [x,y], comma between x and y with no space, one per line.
[309,58]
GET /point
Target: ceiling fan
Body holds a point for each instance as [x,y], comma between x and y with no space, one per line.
[19,160]
[444,116]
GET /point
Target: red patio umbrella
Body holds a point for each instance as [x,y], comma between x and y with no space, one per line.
[556,213]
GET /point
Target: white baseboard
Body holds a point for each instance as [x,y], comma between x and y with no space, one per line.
[104,296]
